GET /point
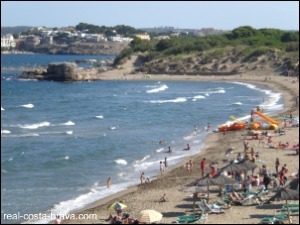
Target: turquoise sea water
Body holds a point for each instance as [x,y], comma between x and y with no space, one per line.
[61,141]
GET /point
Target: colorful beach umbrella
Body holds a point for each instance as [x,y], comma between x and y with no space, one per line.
[149,216]
[116,206]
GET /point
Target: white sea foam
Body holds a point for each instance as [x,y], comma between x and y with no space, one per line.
[271,103]
[66,157]
[121,174]
[99,117]
[69,123]
[199,97]
[159,89]
[237,103]
[113,128]
[23,135]
[28,106]
[34,126]
[121,162]
[2,109]
[69,132]
[65,207]
[143,159]
[5,132]
[169,101]
[159,150]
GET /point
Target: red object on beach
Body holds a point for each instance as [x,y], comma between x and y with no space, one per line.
[234,126]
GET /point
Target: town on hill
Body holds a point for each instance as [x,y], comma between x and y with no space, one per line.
[86,38]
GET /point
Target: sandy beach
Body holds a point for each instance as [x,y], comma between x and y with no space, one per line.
[176,179]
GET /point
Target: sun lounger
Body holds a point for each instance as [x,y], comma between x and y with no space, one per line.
[190,218]
[211,210]
[274,219]
[290,205]
[291,210]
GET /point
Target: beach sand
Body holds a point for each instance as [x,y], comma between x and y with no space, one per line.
[176,179]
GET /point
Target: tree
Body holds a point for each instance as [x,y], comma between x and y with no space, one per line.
[290,37]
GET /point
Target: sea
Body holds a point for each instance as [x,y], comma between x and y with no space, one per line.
[61,141]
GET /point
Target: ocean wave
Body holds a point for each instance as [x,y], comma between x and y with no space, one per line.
[159,89]
[69,123]
[271,103]
[5,132]
[21,135]
[159,150]
[28,106]
[169,101]
[2,109]
[199,97]
[99,117]
[34,126]
[69,132]
[121,162]
[237,103]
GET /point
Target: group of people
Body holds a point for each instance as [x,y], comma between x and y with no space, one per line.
[144,180]
[121,218]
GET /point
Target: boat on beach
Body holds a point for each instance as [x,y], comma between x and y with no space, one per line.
[231,127]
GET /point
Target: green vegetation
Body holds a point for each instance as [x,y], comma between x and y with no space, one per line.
[245,42]
[108,31]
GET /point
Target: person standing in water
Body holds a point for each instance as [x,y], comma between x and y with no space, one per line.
[108,182]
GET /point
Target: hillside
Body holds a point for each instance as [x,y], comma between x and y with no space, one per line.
[243,50]
[14,30]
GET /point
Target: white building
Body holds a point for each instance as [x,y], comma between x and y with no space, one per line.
[7,41]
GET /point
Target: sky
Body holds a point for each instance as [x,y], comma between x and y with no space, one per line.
[148,14]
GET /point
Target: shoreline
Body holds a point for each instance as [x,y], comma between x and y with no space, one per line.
[211,143]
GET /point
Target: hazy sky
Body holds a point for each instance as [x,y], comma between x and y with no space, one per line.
[202,14]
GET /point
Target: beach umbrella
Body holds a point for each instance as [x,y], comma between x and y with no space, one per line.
[219,180]
[243,165]
[286,194]
[116,206]
[294,184]
[149,216]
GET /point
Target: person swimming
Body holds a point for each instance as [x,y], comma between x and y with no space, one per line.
[187,148]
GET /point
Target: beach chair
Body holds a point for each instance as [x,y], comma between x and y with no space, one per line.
[190,218]
[278,219]
[211,210]
[291,206]
[291,210]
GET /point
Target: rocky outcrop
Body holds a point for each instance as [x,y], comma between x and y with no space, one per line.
[61,72]
[55,72]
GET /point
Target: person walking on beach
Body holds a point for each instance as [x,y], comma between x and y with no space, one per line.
[202,166]
[142,178]
[108,182]
[188,167]
[161,168]
[266,177]
[277,164]
[191,165]
[166,163]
